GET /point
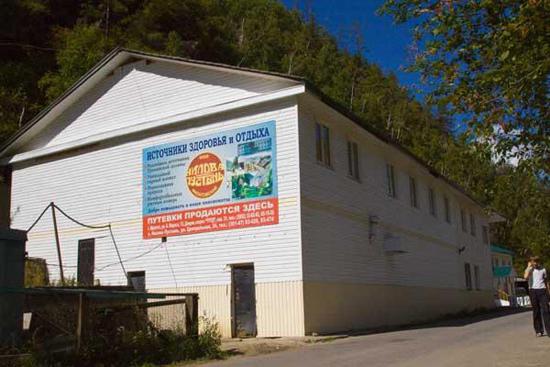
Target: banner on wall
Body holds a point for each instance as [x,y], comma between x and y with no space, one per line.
[211,183]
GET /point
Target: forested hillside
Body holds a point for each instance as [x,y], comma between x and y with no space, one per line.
[47,45]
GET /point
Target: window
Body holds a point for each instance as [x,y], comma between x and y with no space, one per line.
[412,192]
[485,234]
[322,144]
[86,262]
[136,280]
[431,199]
[390,174]
[468,276]
[476,277]
[353,160]
[447,209]
[463,220]
[472,224]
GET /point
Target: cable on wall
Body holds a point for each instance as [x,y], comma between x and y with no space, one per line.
[107,226]
[39,217]
[170,264]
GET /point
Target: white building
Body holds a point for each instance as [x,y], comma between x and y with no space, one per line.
[319,223]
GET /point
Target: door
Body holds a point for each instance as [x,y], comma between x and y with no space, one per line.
[86,262]
[244,301]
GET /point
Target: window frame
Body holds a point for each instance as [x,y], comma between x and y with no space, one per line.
[353,160]
[413,192]
[477,279]
[447,206]
[432,206]
[391,183]
[472,225]
[485,234]
[468,276]
[322,145]
[463,220]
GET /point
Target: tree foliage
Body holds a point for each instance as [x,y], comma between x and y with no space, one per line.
[488,60]
[48,44]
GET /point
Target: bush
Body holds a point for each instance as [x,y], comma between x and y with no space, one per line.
[148,347]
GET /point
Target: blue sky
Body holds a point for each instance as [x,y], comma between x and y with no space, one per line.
[386,43]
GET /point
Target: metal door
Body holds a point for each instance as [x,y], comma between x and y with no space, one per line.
[86,262]
[244,301]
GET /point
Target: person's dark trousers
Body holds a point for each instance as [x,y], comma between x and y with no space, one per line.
[541,312]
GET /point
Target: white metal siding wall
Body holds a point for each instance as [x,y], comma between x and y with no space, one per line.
[336,208]
[141,92]
[104,185]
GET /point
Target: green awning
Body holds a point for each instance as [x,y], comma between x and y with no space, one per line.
[501,250]
[502,271]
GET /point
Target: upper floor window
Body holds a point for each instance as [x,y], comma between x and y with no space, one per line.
[447,209]
[476,277]
[472,224]
[431,202]
[463,220]
[485,234]
[468,276]
[322,144]
[353,160]
[412,192]
[390,177]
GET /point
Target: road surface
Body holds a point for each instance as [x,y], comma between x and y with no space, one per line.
[496,340]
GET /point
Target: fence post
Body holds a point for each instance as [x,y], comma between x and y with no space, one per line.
[81,320]
[192,315]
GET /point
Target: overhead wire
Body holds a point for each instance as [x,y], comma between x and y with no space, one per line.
[113,263]
[107,226]
[170,264]
[39,217]
[110,228]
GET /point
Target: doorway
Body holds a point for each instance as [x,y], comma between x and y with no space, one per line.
[243,300]
[86,262]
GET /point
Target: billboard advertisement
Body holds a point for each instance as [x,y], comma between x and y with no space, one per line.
[210,183]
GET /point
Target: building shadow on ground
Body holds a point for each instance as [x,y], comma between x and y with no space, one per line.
[451,320]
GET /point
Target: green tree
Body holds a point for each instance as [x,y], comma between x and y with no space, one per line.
[488,61]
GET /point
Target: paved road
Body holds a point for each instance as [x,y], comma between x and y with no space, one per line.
[506,340]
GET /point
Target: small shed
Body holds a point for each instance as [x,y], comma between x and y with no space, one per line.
[12,274]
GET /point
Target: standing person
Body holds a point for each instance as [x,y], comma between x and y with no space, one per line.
[538,294]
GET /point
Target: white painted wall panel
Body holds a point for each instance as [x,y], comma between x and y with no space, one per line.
[103,185]
[141,92]
[336,210]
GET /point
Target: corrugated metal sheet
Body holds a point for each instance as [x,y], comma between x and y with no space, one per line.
[279,308]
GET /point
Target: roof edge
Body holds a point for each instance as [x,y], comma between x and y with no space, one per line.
[105,60]
[58,100]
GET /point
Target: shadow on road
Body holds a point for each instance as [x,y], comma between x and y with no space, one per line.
[454,320]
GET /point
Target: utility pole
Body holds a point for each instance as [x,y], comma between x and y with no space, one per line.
[57,244]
